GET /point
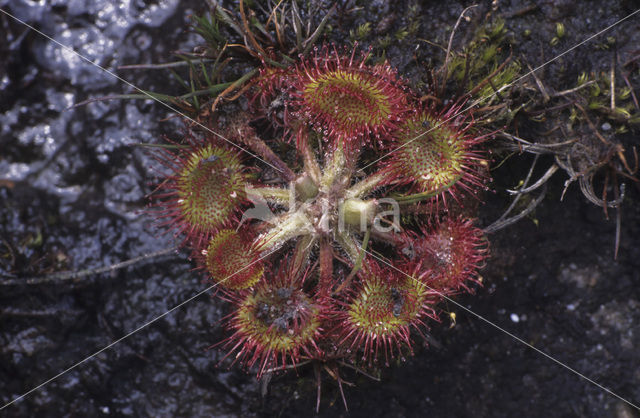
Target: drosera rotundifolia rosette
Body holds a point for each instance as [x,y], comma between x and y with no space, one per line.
[299,273]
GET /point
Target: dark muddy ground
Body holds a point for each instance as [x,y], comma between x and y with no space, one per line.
[72,186]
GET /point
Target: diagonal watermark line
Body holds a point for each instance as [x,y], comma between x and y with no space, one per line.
[168,106]
[515,337]
[141,327]
[480,100]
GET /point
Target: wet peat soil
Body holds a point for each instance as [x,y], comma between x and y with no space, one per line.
[72,186]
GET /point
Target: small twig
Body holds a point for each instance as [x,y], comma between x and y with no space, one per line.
[612,83]
[533,147]
[592,126]
[542,180]
[465,77]
[573,90]
[317,371]
[586,186]
[497,93]
[604,194]
[248,33]
[276,25]
[232,87]
[625,77]
[307,44]
[272,15]
[520,12]
[432,44]
[336,375]
[287,367]
[623,159]
[64,276]
[618,223]
[572,174]
[500,224]
[359,370]
[445,66]
[545,95]
[525,184]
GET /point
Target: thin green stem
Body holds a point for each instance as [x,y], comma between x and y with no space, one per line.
[357,265]
[419,197]
[213,90]
[301,252]
[311,165]
[271,194]
[333,168]
[287,227]
[248,136]
[159,66]
[346,242]
[363,187]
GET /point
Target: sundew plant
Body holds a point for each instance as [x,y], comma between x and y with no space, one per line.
[329,272]
[297,201]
